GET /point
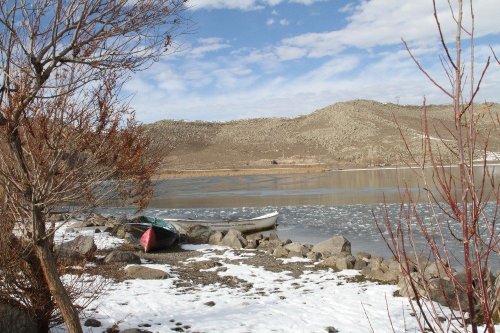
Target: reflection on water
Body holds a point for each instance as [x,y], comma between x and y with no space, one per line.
[328,188]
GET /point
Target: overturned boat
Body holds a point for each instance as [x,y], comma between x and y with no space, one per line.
[153,233]
[260,223]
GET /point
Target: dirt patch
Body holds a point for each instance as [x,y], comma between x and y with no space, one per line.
[192,272]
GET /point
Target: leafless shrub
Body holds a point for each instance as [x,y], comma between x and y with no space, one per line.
[463,198]
[66,138]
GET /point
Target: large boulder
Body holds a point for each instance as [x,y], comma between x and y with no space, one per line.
[198,234]
[345,262]
[437,270]
[269,245]
[333,246]
[280,252]
[122,257]
[145,273]
[437,289]
[330,262]
[234,239]
[383,276]
[80,247]
[298,248]
[14,320]
[215,238]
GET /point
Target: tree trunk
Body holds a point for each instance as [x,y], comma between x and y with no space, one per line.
[68,311]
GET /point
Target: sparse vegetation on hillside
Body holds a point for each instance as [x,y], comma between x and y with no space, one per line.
[350,134]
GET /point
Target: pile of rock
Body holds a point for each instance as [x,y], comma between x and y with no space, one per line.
[430,279]
[332,253]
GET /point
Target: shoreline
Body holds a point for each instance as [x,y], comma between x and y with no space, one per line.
[282,170]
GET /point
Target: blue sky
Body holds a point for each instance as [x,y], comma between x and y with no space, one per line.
[283,58]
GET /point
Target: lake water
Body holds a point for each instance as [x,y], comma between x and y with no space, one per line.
[312,207]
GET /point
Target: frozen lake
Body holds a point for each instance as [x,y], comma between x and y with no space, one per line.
[312,207]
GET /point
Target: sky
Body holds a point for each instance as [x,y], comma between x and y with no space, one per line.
[283,58]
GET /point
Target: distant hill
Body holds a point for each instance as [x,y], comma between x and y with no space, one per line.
[358,133]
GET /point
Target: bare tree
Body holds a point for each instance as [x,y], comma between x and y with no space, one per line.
[65,135]
[463,198]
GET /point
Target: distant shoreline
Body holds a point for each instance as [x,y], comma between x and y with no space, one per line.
[281,170]
[239,171]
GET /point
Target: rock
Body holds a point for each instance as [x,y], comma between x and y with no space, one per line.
[273,236]
[145,273]
[438,290]
[119,231]
[315,256]
[405,288]
[363,255]
[80,247]
[135,330]
[280,252]
[418,263]
[378,263]
[331,329]
[257,237]
[292,254]
[346,262]
[253,244]
[215,238]
[91,322]
[365,270]
[436,270]
[122,256]
[234,239]
[269,244]
[394,267]
[14,320]
[329,262]
[443,292]
[383,276]
[209,303]
[95,220]
[297,248]
[333,246]
[198,234]
[360,264]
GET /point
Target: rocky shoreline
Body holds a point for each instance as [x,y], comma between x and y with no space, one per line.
[272,254]
[127,261]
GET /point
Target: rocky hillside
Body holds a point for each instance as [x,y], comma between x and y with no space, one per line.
[350,134]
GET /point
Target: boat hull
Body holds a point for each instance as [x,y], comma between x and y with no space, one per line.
[153,237]
[264,222]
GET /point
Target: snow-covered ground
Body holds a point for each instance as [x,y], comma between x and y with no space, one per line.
[316,301]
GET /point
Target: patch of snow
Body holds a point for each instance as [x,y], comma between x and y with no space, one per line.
[275,302]
[103,240]
[294,259]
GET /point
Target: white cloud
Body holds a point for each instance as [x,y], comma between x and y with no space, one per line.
[385,22]
[284,22]
[229,4]
[290,52]
[206,45]
[270,21]
[305,2]
[243,4]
